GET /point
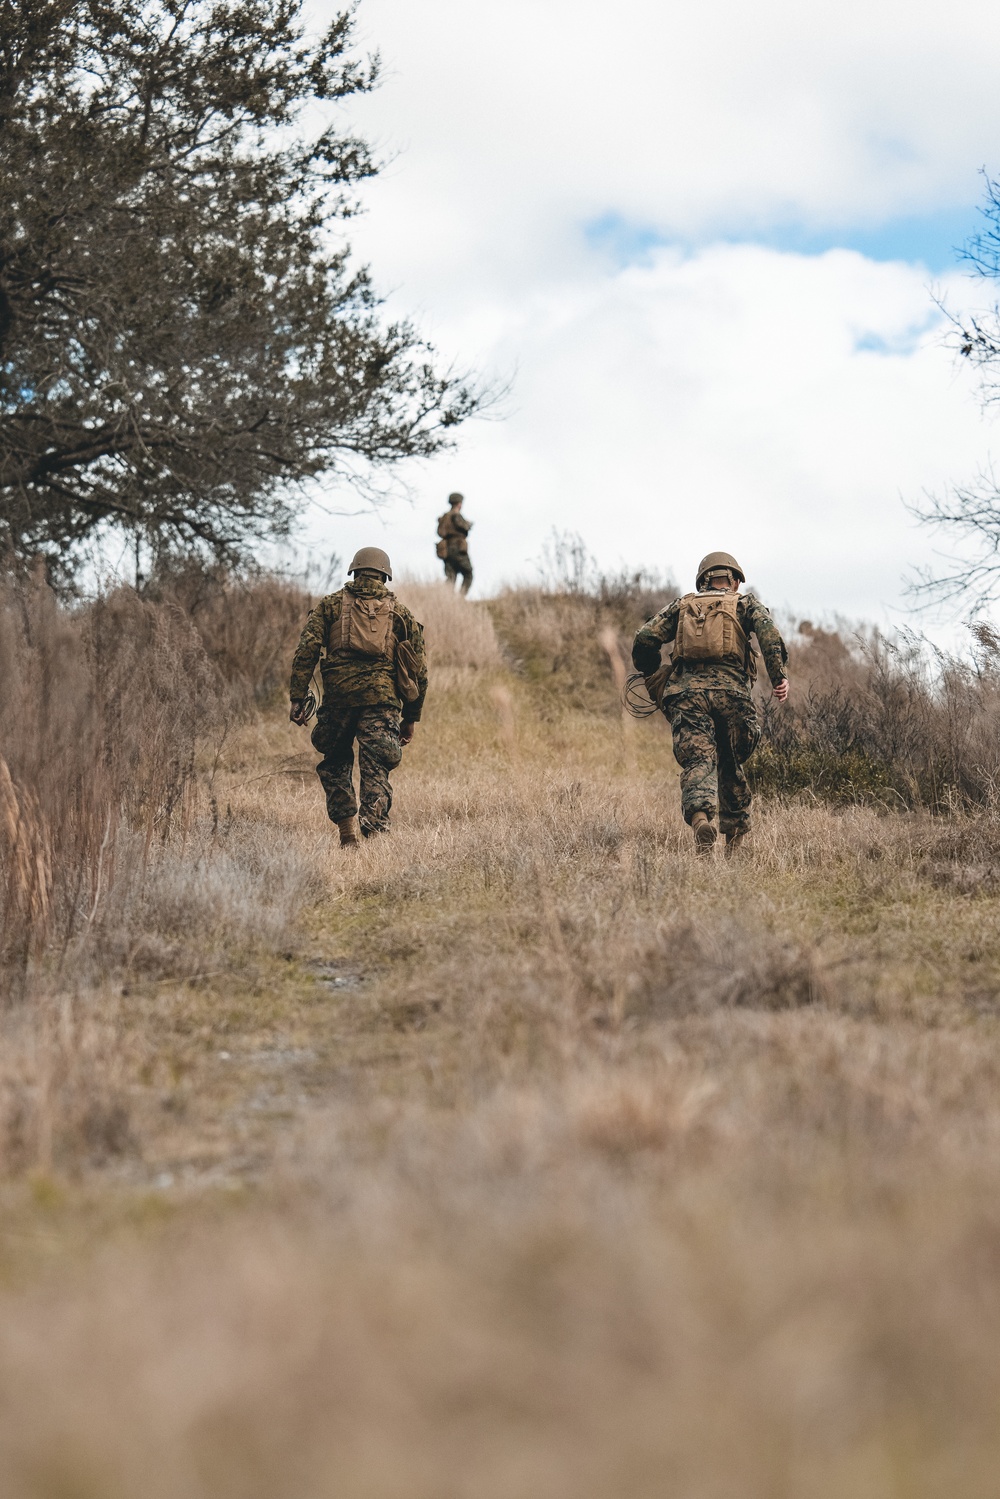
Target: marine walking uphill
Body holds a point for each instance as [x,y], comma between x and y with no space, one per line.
[374,675]
[704,690]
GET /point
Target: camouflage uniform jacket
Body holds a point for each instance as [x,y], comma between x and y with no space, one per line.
[454,529]
[348,677]
[697,676]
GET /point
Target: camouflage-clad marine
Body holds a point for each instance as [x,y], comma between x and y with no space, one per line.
[707,701]
[453,548]
[362,696]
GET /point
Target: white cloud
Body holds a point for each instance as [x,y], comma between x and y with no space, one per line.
[775,404]
[521,120]
[727,399]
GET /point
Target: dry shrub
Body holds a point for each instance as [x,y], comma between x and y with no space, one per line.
[626,1114]
[964,879]
[103,710]
[968,840]
[106,868]
[964,855]
[886,721]
[456,632]
[100,713]
[249,626]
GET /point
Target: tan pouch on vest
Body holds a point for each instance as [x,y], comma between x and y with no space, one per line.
[442,549]
[365,625]
[406,672]
[708,629]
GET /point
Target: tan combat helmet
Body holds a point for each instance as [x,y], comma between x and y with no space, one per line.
[372,559]
[720,562]
[456,498]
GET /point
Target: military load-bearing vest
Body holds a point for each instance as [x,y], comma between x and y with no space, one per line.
[453,530]
[709,629]
[364,627]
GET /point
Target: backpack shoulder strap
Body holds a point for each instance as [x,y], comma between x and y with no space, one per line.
[338,602]
[750,655]
[402,626]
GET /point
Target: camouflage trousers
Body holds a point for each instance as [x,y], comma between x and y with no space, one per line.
[458,564]
[714,733]
[379,751]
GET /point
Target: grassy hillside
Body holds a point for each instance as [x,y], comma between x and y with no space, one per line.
[518,1154]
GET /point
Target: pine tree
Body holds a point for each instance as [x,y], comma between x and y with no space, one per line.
[183,337]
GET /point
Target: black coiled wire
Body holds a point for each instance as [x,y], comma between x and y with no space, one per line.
[307,707]
[635,699]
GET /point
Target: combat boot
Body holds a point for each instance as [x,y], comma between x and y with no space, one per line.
[704,832]
[349,833]
[736,841]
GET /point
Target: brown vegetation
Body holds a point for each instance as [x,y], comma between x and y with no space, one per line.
[101,713]
[518,1154]
[556,638]
[887,722]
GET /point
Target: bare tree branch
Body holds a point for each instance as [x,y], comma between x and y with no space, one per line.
[970,514]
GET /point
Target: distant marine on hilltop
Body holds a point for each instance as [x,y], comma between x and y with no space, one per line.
[453,546]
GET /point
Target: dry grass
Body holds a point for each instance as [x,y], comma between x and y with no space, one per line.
[556,640]
[247,627]
[567,1165]
[457,632]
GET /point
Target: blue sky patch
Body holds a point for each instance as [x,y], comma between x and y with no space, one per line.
[933,240]
[904,342]
[626,243]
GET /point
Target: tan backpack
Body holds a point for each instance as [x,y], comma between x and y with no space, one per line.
[364,626]
[709,629]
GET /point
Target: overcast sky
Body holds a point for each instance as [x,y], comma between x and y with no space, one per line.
[701,241]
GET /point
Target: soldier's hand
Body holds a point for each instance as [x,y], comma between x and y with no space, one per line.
[406,732]
[781,691]
[297,712]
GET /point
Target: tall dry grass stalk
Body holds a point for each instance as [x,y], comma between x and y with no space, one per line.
[101,710]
